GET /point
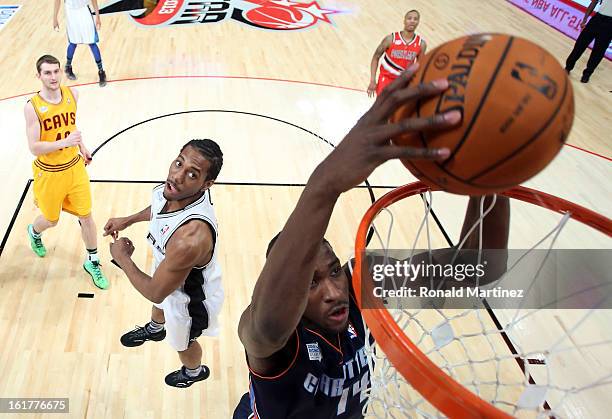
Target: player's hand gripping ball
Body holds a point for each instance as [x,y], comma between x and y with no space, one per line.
[517,105]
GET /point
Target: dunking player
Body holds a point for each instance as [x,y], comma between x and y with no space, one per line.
[303,332]
[400,49]
[186,284]
[81,29]
[60,178]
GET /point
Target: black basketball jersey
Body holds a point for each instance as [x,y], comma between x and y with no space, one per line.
[326,379]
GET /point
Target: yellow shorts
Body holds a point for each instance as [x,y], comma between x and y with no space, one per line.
[66,190]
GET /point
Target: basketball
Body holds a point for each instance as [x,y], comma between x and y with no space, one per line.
[517,108]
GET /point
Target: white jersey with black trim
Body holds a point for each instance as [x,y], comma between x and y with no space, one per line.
[76,4]
[204,282]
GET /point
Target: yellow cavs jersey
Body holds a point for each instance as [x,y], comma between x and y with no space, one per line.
[57,121]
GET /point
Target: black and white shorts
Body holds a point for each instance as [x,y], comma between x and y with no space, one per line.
[186,320]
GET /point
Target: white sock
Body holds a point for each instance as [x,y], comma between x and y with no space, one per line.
[194,372]
[154,327]
[92,255]
[34,233]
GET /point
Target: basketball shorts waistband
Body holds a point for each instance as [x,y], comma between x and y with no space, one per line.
[57,168]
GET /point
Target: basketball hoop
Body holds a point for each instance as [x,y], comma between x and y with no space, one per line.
[403,359]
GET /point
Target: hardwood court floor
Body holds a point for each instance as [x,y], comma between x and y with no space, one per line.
[58,345]
[337,54]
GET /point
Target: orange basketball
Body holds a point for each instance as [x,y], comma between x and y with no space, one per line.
[517,105]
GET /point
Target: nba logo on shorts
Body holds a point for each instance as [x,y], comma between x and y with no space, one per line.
[314,353]
[164,229]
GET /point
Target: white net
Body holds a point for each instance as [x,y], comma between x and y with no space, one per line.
[547,353]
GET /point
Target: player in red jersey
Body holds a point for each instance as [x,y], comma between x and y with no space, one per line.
[400,49]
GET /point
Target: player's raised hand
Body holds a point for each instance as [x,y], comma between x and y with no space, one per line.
[368,144]
[74,138]
[114,225]
[121,248]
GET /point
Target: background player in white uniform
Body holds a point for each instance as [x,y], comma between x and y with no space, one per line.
[81,29]
[186,285]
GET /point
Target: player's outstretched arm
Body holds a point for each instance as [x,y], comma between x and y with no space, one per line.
[114,225]
[380,50]
[494,246]
[495,233]
[56,7]
[191,245]
[281,292]
[94,3]
[495,226]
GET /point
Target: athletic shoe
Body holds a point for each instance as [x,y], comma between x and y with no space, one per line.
[102,76]
[180,378]
[69,73]
[94,270]
[140,335]
[36,242]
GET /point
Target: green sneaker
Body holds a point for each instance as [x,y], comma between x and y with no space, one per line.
[36,242]
[93,269]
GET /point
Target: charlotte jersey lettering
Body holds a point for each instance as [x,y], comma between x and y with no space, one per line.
[262,14]
[325,379]
[57,121]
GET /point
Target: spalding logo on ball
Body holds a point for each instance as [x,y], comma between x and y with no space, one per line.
[517,105]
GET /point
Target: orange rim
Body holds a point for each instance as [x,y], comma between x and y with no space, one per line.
[438,388]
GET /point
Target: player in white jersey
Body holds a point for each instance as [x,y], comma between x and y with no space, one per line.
[81,29]
[186,284]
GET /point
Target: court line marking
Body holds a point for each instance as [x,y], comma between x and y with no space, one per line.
[256,79]
[204,76]
[29,182]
